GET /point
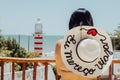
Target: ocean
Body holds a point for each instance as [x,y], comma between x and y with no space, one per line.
[49,43]
[27,42]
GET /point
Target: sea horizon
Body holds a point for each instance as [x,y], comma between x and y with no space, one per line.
[27,41]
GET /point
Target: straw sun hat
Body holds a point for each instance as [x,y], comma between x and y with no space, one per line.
[87,51]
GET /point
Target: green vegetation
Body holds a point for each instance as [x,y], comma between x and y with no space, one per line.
[10,48]
[116,39]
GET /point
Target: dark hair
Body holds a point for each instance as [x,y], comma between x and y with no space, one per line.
[80,17]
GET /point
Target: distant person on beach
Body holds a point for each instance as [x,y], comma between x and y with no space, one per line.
[80,17]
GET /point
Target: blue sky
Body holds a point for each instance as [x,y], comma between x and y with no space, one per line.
[19,16]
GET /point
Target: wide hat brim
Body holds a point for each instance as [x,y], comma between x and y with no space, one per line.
[71,53]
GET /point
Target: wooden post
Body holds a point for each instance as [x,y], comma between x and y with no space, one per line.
[13,72]
[98,77]
[34,72]
[110,71]
[56,74]
[23,69]
[56,77]
[2,70]
[46,71]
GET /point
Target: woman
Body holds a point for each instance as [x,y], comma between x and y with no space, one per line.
[80,17]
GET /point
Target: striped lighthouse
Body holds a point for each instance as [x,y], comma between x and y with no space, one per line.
[38,37]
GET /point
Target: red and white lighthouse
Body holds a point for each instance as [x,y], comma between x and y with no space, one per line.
[38,37]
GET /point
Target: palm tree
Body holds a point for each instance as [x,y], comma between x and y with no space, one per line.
[116,39]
